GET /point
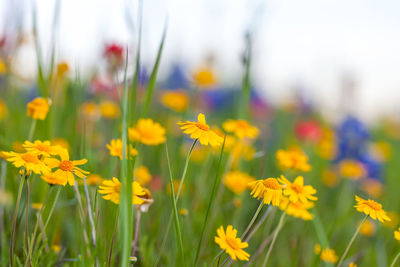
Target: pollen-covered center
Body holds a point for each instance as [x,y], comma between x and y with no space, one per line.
[202,126]
[374,205]
[271,183]
[30,158]
[66,165]
[232,243]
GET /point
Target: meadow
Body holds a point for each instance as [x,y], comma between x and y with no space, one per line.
[137,171]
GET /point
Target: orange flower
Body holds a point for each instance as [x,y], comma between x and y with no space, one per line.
[38,108]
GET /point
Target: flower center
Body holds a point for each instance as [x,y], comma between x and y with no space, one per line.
[203,127]
[374,205]
[66,165]
[242,124]
[232,243]
[297,188]
[271,183]
[30,158]
[43,148]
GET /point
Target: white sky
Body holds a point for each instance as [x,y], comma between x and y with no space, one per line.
[308,42]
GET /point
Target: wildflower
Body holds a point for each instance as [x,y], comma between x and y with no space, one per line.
[296,209]
[29,160]
[90,110]
[111,190]
[115,148]
[3,109]
[38,108]
[109,110]
[231,244]
[397,234]
[269,189]
[3,68]
[352,264]
[40,148]
[241,129]
[381,150]
[242,150]
[183,212]
[114,53]
[67,168]
[37,206]
[62,69]
[54,178]
[147,132]
[201,131]
[204,78]
[56,248]
[371,208]
[297,191]
[237,181]
[94,179]
[176,100]
[367,228]
[142,175]
[326,147]
[60,142]
[329,178]
[308,131]
[329,255]
[352,169]
[317,249]
[293,159]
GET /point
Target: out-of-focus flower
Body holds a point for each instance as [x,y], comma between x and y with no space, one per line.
[142,175]
[329,178]
[326,147]
[238,181]
[242,150]
[3,109]
[371,208]
[317,249]
[351,169]
[352,264]
[67,168]
[297,191]
[109,110]
[397,234]
[62,69]
[297,209]
[230,140]
[176,100]
[90,110]
[269,189]
[111,190]
[114,53]
[201,131]
[329,255]
[241,128]
[54,178]
[42,148]
[115,148]
[38,108]
[3,68]
[372,187]
[183,212]
[293,159]
[29,160]
[60,142]
[381,150]
[231,244]
[308,131]
[147,132]
[94,179]
[204,78]
[37,205]
[368,228]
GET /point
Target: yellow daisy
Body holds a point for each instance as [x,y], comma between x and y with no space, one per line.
[54,178]
[142,175]
[296,209]
[269,189]
[329,255]
[293,159]
[297,191]
[201,131]
[66,167]
[176,100]
[231,244]
[351,169]
[115,148]
[371,208]
[237,181]
[29,160]
[241,128]
[147,132]
[111,190]
[38,108]
[109,110]
[43,148]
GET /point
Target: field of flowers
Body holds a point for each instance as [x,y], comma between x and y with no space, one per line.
[129,170]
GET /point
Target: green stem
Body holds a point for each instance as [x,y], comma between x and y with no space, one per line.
[32,130]
[351,241]
[252,220]
[21,185]
[395,260]
[185,170]
[278,228]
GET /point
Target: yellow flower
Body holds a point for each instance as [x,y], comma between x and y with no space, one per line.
[66,168]
[142,175]
[109,110]
[397,234]
[175,100]
[183,212]
[94,179]
[317,249]
[3,109]
[90,110]
[60,142]
[56,248]
[37,206]
[201,131]
[269,189]
[29,160]
[352,169]
[204,78]
[371,208]
[326,147]
[352,264]
[240,128]
[382,150]
[54,178]
[44,148]
[293,159]
[367,228]
[297,191]
[296,209]
[329,178]
[3,68]
[329,255]
[231,244]
[237,181]
[62,69]
[242,150]
[115,148]
[111,190]
[38,108]
[147,132]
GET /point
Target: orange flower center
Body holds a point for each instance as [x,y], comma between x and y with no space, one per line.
[203,127]
[232,243]
[374,205]
[30,158]
[297,188]
[242,124]
[66,165]
[43,148]
[271,183]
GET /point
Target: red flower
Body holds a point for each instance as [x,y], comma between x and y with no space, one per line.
[308,131]
[114,51]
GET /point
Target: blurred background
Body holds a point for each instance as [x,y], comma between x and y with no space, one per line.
[338,54]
